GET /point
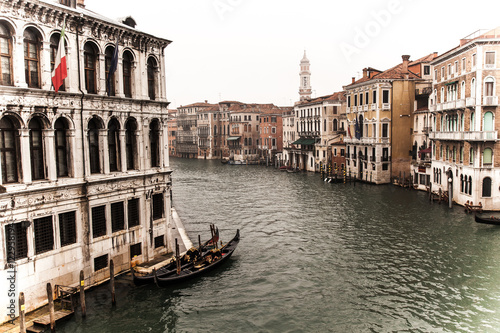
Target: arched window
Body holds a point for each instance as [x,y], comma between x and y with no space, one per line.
[249,141]
[62,154]
[486,187]
[470,185]
[110,82]
[131,144]
[215,129]
[488,121]
[439,176]
[152,78]
[9,150]
[466,185]
[489,85]
[90,63]
[5,56]
[473,88]
[114,145]
[36,149]
[154,141]
[461,183]
[487,156]
[127,73]
[472,127]
[462,90]
[324,125]
[32,58]
[246,142]
[95,165]
[54,44]
[471,156]
[335,125]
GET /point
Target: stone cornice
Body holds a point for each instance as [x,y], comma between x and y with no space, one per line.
[53,15]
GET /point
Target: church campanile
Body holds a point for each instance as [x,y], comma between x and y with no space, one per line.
[305,79]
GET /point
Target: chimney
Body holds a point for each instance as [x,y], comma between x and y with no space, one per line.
[80,3]
[353,79]
[406,59]
[206,101]
[365,73]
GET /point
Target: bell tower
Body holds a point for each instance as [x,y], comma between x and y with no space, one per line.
[305,79]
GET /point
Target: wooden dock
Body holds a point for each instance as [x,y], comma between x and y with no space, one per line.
[42,323]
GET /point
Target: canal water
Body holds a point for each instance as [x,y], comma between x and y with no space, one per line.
[315,257]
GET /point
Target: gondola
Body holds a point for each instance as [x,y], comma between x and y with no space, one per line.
[487,220]
[209,261]
[186,261]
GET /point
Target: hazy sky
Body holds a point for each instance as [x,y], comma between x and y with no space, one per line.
[250,50]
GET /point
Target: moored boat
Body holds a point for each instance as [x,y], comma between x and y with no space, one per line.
[487,219]
[209,261]
[185,261]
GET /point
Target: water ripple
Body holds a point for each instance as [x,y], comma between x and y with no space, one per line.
[318,257]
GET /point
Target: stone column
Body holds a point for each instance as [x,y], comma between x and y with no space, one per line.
[123,150]
[119,78]
[18,63]
[103,150]
[101,75]
[24,136]
[45,69]
[50,154]
[73,160]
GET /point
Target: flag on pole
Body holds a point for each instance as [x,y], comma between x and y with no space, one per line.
[60,71]
[112,67]
[349,131]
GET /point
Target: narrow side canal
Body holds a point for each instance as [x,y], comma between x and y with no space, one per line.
[315,257]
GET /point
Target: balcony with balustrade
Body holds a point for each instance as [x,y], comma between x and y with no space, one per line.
[490,100]
[470,101]
[465,136]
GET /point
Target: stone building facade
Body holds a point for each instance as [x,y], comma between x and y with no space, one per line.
[85,176]
[380,108]
[465,120]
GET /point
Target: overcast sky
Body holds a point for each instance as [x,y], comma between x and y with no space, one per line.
[250,50]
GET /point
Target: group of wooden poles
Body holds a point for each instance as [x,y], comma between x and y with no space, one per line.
[50,297]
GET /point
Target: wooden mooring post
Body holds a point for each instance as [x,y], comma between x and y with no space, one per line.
[22,318]
[112,281]
[82,295]
[50,297]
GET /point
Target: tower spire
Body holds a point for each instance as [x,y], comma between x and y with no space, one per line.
[305,79]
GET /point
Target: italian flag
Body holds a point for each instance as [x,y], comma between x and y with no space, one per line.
[60,71]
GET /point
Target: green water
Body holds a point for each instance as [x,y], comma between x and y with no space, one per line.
[315,257]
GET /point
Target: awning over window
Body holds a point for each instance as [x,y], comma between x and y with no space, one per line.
[304,142]
[233,138]
[308,142]
[453,82]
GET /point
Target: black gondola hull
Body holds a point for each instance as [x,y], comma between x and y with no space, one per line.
[191,272]
[487,220]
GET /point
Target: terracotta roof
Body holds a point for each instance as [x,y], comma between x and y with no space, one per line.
[196,105]
[427,58]
[338,96]
[396,72]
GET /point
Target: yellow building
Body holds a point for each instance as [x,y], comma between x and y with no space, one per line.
[379,112]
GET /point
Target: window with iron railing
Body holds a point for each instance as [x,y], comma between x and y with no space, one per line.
[44,234]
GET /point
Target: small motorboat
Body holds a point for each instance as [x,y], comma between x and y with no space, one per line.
[487,219]
[208,262]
